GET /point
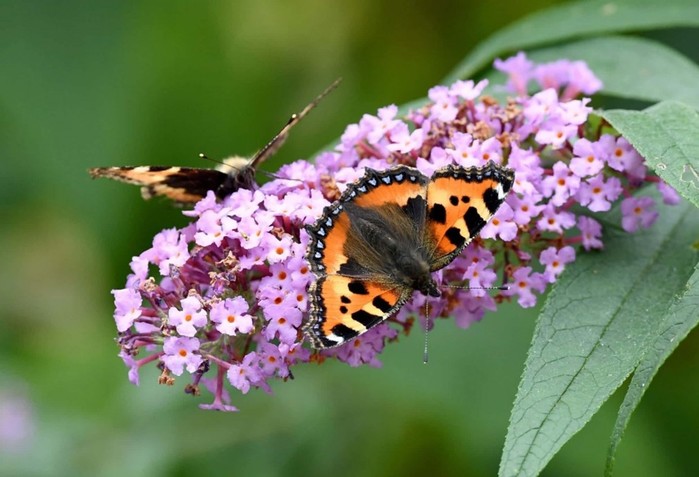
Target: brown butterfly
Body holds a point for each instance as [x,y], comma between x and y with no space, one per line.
[186,185]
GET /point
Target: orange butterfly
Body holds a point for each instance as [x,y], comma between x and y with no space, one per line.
[386,235]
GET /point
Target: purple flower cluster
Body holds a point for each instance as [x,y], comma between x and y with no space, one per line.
[223,299]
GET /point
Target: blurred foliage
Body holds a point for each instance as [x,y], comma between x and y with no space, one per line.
[94,83]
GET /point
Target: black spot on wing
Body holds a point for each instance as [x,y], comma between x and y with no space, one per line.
[357,287]
[491,199]
[415,208]
[474,221]
[345,300]
[453,200]
[465,199]
[343,309]
[381,304]
[438,213]
[365,318]
[454,236]
[352,268]
[343,332]
[507,184]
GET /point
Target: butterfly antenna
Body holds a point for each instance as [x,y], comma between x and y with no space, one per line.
[501,287]
[425,356]
[207,158]
[272,175]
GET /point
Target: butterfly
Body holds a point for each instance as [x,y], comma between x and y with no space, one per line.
[186,185]
[381,241]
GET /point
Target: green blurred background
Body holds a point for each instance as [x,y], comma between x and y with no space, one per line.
[96,83]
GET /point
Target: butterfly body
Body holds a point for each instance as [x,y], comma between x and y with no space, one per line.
[381,241]
[186,185]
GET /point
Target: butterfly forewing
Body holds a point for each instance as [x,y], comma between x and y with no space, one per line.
[333,241]
[180,184]
[459,204]
[278,141]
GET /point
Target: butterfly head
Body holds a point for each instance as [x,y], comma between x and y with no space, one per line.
[413,271]
[426,285]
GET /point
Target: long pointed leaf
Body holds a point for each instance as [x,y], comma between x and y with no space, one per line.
[667,136]
[602,314]
[576,20]
[641,72]
[679,320]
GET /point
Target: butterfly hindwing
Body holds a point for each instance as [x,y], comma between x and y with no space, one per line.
[460,202]
[345,307]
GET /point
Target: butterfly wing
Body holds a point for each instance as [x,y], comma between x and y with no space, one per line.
[345,307]
[184,185]
[459,203]
[278,140]
[356,288]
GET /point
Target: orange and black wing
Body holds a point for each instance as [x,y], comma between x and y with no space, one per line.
[394,197]
[343,308]
[181,184]
[356,287]
[460,202]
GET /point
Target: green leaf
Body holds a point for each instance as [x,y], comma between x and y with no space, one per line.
[600,317]
[667,136]
[633,68]
[576,20]
[679,320]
